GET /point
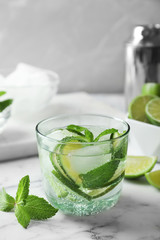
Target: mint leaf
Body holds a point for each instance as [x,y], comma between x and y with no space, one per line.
[23,190]
[26,207]
[6,201]
[38,208]
[4,104]
[105,132]
[75,129]
[78,129]
[2,93]
[99,177]
[22,215]
[88,135]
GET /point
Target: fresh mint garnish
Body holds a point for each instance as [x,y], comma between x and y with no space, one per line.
[105,132]
[6,201]
[99,177]
[26,207]
[82,131]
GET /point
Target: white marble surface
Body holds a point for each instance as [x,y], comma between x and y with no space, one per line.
[135,217]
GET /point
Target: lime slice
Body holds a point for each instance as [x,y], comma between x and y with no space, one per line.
[154,178]
[102,191]
[53,157]
[66,150]
[70,185]
[137,108]
[137,166]
[153,111]
[151,89]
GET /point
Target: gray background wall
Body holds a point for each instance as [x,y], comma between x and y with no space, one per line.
[83,40]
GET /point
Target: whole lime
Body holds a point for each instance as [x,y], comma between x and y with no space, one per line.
[151,89]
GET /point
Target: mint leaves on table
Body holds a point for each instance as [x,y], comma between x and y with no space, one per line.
[4,104]
[23,190]
[6,201]
[38,208]
[26,207]
[22,216]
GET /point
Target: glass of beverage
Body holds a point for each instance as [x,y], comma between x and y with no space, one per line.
[82,159]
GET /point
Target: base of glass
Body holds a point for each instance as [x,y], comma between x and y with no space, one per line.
[84,208]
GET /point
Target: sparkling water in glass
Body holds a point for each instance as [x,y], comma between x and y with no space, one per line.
[81,177]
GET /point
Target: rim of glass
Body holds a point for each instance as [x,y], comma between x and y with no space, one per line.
[76,115]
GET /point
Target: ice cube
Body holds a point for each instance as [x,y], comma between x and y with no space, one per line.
[90,157]
[26,75]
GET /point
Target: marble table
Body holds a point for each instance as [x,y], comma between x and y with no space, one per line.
[135,217]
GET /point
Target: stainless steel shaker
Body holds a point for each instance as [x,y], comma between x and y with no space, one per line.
[142,60]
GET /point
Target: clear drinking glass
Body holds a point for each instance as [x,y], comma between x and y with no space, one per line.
[82,177]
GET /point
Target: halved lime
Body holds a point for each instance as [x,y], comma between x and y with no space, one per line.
[137,108]
[154,178]
[151,89]
[137,166]
[153,111]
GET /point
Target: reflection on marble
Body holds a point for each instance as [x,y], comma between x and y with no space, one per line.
[83,40]
[135,217]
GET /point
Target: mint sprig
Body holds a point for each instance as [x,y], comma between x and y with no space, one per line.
[82,131]
[105,132]
[26,207]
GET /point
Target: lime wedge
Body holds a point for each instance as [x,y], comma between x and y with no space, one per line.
[137,108]
[137,166]
[154,178]
[153,111]
[151,89]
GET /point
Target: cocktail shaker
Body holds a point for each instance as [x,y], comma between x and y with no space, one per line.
[142,60]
